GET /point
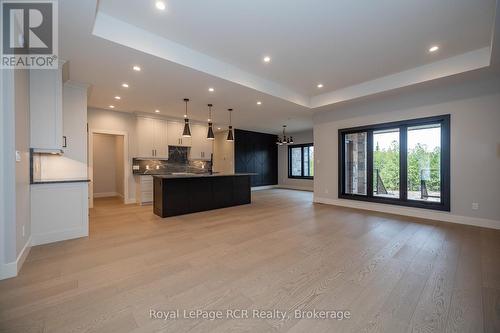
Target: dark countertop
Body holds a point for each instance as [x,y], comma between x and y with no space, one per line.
[203,175]
[58,181]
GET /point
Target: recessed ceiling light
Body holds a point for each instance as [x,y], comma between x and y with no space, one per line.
[434,48]
[125,85]
[136,68]
[157,111]
[218,128]
[267,59]
[160,5]
[111,106]
[259,103]
[211,89]
[320,85]
[118,97]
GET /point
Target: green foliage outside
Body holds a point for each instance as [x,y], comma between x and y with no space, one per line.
[387,162]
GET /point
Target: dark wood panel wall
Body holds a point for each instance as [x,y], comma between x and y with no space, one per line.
[258,153]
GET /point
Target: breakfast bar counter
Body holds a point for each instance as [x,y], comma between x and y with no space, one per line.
[177,194]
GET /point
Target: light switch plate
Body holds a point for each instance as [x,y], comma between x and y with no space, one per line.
[18,156]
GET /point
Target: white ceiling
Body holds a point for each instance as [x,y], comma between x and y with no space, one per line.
[336,42]
[192,45]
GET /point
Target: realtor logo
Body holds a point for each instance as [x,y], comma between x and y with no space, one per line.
[29,34]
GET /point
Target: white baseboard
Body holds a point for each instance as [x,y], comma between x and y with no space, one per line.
[286,187]
[106,194]
[293,187]
[413,212]
[260,188]
[11,269]
[58,236]
[130,201]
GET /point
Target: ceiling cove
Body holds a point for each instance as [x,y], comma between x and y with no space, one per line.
[126,34]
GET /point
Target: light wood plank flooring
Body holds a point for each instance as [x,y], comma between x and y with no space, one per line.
[394,274]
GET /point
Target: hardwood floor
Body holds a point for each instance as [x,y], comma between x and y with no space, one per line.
[394,274]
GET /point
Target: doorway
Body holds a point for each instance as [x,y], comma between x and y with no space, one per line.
[108,165]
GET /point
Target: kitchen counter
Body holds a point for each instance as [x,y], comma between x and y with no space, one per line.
[188,193]
[200,175]
[58,181]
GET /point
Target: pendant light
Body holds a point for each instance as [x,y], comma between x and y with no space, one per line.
[210,133]
[230,136]
[187,130]
[284,140]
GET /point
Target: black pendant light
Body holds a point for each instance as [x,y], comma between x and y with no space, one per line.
[210,133]
[285,140]
[187,130]
[230,136]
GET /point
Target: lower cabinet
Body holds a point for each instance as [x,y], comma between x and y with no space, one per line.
[59,212]
[176,196]
[144,189]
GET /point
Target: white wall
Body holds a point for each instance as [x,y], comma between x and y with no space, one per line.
[105,120]
[8,211]
[283,180]
[23,225]
[4,105]
[474,105]
[104,165]
[14,176]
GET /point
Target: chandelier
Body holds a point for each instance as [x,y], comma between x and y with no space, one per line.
[284,140]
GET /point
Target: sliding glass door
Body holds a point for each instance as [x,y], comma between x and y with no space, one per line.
[403,163]
[386,163]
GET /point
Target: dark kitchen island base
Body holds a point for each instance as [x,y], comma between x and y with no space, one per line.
[177,195]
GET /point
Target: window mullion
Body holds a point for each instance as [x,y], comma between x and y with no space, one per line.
[302,161]
[403,163]
[369,164]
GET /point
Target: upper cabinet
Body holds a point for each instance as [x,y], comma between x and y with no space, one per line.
[152,137]
[201,148]
[46,115]
[155,135]
[175,137]
[75,121]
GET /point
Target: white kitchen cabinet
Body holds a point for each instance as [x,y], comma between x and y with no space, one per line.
[46,110]
[144,189]
[59,211]
[152,137]
[174,134]
[201,147]
[75,122]
[160,143]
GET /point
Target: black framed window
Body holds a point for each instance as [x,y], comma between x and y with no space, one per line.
[404,163]
[301,161]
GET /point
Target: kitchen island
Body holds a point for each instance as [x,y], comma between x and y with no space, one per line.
[188,193]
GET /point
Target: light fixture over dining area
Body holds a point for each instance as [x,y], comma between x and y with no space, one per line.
[284,140]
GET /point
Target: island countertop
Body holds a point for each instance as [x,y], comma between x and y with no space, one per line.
[189,193]
[200,175]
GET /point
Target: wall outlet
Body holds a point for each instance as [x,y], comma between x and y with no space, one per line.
[475,206]
[326,191]
[18,156]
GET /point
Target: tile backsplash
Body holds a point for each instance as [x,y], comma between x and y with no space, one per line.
[142,166]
